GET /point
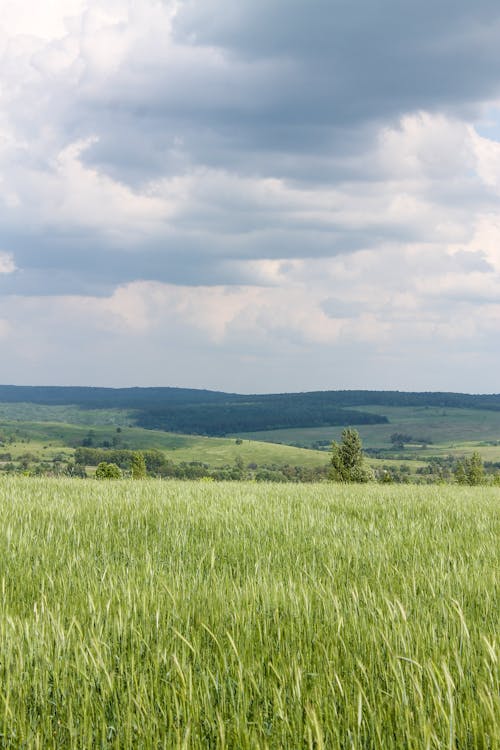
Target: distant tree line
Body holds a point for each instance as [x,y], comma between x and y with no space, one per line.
[346,465]
[399,439]
[145,398]
[156,464]
[223,419]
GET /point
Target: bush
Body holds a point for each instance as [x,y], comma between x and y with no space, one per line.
[108,471]
[138,466]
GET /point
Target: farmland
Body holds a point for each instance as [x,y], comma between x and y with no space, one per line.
[415,437]
[435,431]
[407,437]
[44,441]
[209,615]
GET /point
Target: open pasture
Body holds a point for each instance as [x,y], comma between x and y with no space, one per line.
[200,615]
[46,439]
[447,431]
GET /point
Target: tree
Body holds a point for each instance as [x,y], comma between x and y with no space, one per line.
[347,458]
[461,474]
[385,477]
[89,440]
[475,469]
[75,470]
[108,471]
[470,470]
[138,466]
[398,439]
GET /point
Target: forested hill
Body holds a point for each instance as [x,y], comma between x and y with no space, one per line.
[107,398]
[216,413]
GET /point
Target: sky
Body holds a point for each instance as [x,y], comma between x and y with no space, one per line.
[250,196]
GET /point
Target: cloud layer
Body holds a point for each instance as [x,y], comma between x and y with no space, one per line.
[250,196]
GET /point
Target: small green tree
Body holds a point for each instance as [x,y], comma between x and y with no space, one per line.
[138,466]
[475,469]
[461,474]
[347,458]
[108,471]
[385,477]
[470,470]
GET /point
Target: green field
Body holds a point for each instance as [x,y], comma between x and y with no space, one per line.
[448,431]
[199,615]
[445,433]
[46,439]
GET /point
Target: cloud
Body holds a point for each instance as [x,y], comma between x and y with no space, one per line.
[4,328]
[210,226]
[370,58]
[257,337]
[258,180]
[7,264]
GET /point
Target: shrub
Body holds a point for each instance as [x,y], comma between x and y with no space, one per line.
[108,471]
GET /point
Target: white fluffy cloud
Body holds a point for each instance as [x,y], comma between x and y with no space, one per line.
[7,264]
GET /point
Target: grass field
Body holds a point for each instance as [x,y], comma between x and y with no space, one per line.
[452,431]
[448,432]
[46,439]
[200,615]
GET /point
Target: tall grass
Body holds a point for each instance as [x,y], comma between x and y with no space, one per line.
[198,615]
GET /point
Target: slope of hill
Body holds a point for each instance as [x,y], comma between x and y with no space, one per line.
[427,423]
[197,412]
[43,441]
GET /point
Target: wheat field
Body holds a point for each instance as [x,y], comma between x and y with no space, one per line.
[156,614]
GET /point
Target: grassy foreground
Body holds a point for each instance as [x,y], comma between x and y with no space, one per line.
[200,615]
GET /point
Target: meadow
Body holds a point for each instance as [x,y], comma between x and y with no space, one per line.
[42,438]
[443,431]
[209,615]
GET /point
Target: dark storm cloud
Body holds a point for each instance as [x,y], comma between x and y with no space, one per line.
[366,56]
[285,91]
[288,78]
